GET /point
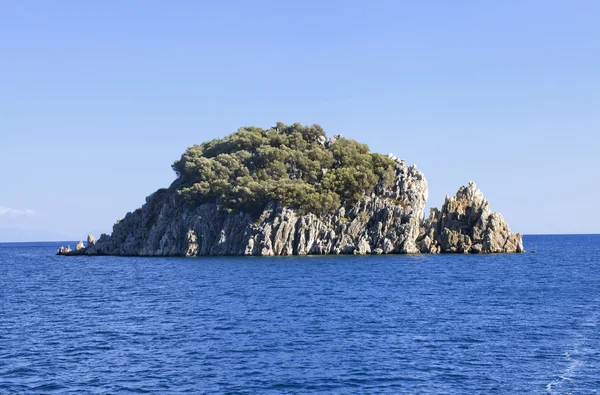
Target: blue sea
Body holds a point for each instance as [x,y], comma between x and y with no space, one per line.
[441,324]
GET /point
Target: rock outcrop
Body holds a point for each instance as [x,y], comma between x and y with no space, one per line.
[64,250]
[466,224]
[387,222]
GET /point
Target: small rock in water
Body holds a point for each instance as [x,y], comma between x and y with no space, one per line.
[63,250]
[466,224]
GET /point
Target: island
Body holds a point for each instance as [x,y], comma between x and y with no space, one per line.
[291,190]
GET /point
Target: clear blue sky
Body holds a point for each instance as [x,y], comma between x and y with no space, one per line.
[98,98]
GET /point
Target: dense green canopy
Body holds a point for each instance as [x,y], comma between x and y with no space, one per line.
[291,164]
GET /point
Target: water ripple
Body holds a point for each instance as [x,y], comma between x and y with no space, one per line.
[380,324]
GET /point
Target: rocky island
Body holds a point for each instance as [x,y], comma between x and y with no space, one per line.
[290,190]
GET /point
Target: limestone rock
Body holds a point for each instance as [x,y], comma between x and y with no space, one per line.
[90,240]
[390,221]
[387,221]
[466,224]
[333,139]
[64,250]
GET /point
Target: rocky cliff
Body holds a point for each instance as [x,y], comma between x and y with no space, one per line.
[390,221]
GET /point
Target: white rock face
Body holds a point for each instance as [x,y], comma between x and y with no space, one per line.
[390,221]
[466,224]
[64,250]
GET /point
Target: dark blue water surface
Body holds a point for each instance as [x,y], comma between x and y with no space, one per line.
[446,324]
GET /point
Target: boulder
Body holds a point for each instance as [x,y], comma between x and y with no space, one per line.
[333,139]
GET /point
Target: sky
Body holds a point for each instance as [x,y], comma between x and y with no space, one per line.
[97,99]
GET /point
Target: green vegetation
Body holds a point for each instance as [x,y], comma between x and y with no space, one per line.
[251,167]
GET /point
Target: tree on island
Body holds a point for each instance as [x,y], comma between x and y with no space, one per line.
[293,164]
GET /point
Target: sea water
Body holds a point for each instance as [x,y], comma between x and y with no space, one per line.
[452,324]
